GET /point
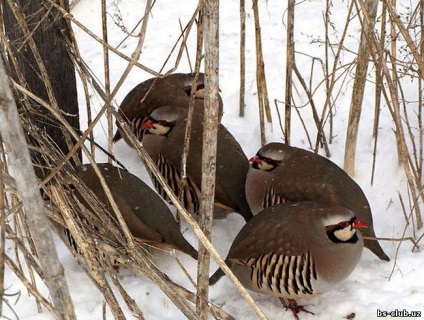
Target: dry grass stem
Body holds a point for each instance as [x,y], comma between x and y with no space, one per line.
[370,10]
[263,101]
[289,70]
[209,149]
[242,103]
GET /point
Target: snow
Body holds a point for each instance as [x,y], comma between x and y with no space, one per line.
[374,285]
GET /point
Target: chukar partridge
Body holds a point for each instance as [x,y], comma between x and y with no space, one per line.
[280,173]
[164,141]
[147,216]
[295,250]
[174,89]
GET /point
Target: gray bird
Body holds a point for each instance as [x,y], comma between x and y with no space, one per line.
[147,216]
[281,173]
[164,141]
[174,89]
[295,250]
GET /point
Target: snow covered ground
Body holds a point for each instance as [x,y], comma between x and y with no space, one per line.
[374,285]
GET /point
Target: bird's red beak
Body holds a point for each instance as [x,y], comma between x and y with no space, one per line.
[255,159]
[359,224]
[148,124]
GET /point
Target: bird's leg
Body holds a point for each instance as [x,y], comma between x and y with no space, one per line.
[294,307]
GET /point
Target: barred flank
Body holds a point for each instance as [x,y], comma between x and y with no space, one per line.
[190,198]
[271,198]
[292,275]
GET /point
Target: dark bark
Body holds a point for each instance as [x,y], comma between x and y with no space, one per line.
[48,33]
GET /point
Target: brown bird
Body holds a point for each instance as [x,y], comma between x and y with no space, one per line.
[280,173]
[147,216]
[164,141]
[295,250]
[174,89]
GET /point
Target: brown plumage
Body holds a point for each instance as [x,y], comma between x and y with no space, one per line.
[148,218]
[154,93]
[280,173]
[164,141]
[295,250]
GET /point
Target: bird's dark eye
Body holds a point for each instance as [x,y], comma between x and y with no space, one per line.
[344,224]
[267,160]
[199,86]
[162,122]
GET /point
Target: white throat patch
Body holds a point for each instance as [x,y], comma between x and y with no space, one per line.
[345,234]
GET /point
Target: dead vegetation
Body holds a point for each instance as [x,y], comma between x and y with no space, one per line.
[390,53]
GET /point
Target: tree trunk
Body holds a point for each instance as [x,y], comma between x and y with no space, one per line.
[359,86]
[39,61]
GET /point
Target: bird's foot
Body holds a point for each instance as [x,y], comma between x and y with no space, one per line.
[294,307]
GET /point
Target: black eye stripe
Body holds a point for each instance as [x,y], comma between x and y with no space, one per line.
[268,160]
[344,224]
[263,158]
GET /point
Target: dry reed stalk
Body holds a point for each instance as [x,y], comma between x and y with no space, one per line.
[393,53]
[378,89]
[73,5]
[23,232]
[107,79]
[359,85]
[135,310]
[184,35]
[31,289]
[263,100]
[407,219]
[187,134]
[209,150]
[2,236]
[280,123]
[327,63]
[72,45]
[242,103]
[21,246]
[185,46]
[320,134]
[289,70]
